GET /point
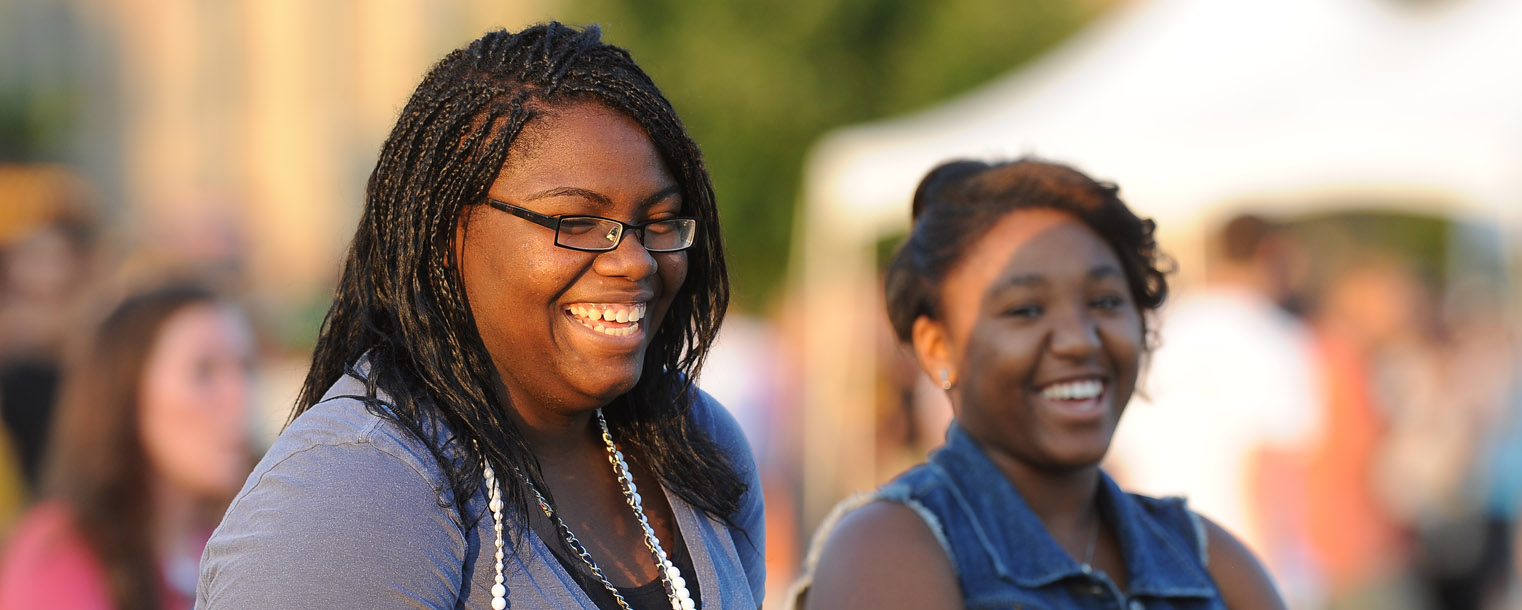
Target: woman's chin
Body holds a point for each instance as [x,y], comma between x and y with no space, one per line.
[1078,454]
[606,388]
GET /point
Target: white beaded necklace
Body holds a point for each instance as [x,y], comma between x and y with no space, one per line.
[670,575]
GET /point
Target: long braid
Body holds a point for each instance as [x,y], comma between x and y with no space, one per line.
[402,304]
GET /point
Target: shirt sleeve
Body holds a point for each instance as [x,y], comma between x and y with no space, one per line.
[749,528]
[336,526]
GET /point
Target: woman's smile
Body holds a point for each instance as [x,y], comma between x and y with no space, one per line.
[1077,399]
[613,320]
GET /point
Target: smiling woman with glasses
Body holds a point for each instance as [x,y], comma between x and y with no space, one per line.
[502,413]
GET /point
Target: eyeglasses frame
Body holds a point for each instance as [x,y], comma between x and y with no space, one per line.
[553,222]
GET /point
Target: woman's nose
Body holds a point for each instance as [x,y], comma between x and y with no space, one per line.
[628,259]
[1074,335]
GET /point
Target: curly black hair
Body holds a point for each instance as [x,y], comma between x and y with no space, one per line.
[401,304]
[959,201]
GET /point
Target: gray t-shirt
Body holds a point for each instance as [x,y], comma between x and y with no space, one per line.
[348,510]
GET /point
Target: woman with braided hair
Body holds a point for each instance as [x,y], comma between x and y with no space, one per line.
[501,409]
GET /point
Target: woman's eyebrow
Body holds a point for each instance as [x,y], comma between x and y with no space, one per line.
[599,198]
[1033,280]
[1021,281]
[675,189]
[1104,271]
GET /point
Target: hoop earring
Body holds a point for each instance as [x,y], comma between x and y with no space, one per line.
[946,380]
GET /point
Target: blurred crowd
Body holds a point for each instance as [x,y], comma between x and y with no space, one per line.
[125,403]
[1356,409]
[1350,410]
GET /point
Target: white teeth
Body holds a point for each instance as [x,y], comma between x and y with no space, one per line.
[608,319]
[617,332]
[1074,390]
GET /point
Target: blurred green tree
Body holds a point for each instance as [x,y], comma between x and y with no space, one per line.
[758,82]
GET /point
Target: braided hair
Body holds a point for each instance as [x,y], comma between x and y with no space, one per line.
[401,306]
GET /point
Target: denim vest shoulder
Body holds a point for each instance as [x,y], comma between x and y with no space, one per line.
[1004,558]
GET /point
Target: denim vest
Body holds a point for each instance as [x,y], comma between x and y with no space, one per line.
[1004,558]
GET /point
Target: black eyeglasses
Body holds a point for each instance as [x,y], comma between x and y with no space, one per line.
[598,234]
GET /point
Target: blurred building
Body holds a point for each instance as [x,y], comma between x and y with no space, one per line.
[237,134]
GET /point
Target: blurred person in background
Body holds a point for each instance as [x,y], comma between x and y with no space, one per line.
[1444,386]
[1024,289]
[47,243]
[150,444]
[1480,362]
[745,371]
[1232,379]
[510,359]
[1366,318]
[1501,471]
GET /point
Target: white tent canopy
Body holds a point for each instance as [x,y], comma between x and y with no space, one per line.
[1192,103]
[1191,106]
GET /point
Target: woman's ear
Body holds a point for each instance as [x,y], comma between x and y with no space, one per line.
[932,347]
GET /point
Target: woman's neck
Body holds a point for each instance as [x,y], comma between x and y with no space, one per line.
[555,437]
[1059,498]
[554,432]
[1064,501]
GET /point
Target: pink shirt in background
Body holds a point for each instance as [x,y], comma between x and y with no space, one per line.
[48,565]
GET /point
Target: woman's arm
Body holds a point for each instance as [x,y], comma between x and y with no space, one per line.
[883,556]
[1242,579]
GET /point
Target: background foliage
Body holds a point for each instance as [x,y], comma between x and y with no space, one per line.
[758,82]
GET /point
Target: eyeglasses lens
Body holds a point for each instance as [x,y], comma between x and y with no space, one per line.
[598,234]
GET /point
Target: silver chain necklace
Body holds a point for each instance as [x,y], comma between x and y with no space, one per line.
[670,575]
[1088,556]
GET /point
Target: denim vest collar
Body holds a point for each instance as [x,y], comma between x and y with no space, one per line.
[1022,551]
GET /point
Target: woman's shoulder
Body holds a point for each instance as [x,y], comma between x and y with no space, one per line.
[348,425]
[327,457]
[345,509]
[877,552]
[859,533]
[47,563]
[715,421]
[1239,576]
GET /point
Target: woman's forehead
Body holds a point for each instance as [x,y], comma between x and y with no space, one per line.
[1032,247]
[585,143]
